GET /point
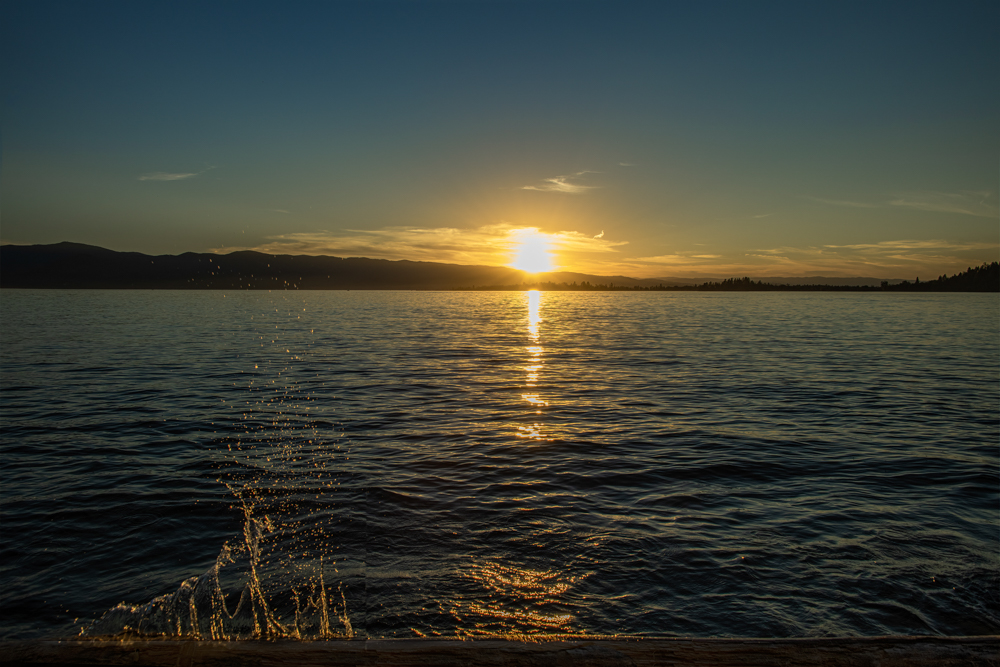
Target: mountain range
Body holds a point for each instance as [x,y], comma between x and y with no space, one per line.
[79,266]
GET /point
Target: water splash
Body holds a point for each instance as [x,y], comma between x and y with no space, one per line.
[244,595]
[282,467]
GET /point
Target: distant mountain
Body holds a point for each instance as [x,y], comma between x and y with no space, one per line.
[78,266]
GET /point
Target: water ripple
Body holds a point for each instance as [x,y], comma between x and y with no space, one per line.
[320,464]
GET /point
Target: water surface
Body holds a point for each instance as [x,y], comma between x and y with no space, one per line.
[401,464]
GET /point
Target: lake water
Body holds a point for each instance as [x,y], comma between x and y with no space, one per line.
[401,464]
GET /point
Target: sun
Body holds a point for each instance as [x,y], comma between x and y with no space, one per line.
[531,251]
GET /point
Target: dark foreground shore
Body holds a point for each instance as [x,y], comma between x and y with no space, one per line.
[841,652]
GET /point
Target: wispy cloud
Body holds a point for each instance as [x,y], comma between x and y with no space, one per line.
[164,176]
[884,259]
[489,245]
[679,259]
[626,164]
[496,245]
[575,242]
[171,176]
[888,259]
[967,202]
[690,265]
[563,184]
[843,202]
[894,246]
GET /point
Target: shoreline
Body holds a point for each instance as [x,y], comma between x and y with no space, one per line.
[78,266]
[884,651]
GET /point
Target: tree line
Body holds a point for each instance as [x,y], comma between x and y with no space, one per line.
[984,278]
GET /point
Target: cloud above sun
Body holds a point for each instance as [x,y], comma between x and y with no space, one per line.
[564,184]
[492,245]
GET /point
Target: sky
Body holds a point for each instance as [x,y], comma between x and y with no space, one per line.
[647,139]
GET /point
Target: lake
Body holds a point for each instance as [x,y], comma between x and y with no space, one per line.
[405,464]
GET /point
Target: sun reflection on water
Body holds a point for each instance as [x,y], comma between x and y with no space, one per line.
[518,600]
[530,432]
[508,598]
[534,318]
[534,367]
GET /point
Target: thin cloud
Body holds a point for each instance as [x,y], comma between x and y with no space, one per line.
[495,245]
[626,164]
[969,202]
[164,176]
[487,245]
[966,202]
[677,259]
[894,246]
[885,259]
[563,184]
[575,242]
[170,176]
[843,202]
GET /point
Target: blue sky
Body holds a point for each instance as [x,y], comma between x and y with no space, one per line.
[649,139]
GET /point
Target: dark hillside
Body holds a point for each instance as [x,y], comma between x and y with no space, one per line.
[78,266]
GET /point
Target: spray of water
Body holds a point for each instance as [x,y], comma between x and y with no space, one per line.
[282,467]
[271,582]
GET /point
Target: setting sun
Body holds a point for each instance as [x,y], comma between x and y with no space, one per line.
[531,252]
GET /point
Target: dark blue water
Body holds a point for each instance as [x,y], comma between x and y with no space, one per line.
[320,464]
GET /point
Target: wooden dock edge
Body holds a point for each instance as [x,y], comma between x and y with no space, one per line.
[565,652]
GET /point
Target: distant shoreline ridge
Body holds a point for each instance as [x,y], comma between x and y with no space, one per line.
[78,266]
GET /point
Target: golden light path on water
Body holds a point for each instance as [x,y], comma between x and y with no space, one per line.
[516,599]
[534,367]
